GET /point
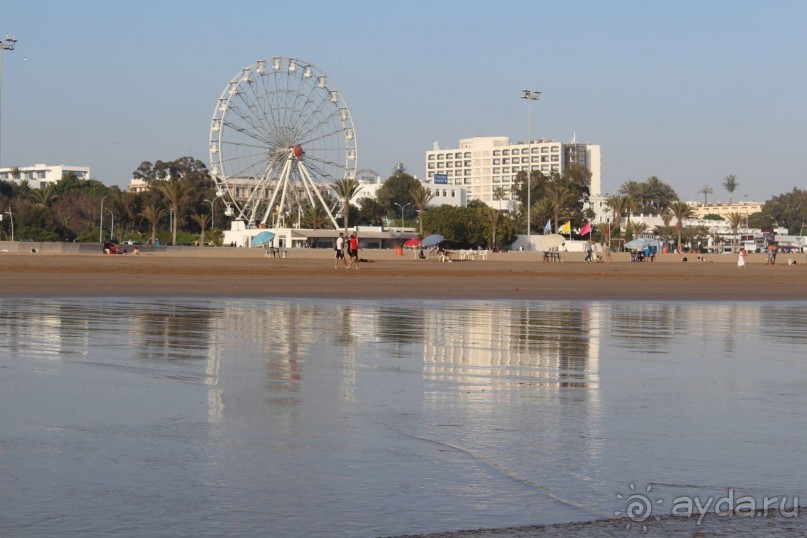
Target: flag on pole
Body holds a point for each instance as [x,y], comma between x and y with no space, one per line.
[566,228]
[586,228]
[548,227]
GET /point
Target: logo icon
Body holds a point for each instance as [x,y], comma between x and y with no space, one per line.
[638,506]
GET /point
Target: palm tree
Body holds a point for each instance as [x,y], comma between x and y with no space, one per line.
[559,197]
[499,194]
[345,189]
[680,210]
[202,221]
[630,206]
[616,203]
[634,190]
[15,172]
[314,216]
[176,192]
[154,214]
[730,183]
[494,215]
[735,220]
[421,196]
[44,196]
[706,191]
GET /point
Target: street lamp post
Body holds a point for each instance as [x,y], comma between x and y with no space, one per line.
[6,44]
[112,229]
[212,216]
[101,231]
[12,222]
[171,224]
[403,222]
[530,96]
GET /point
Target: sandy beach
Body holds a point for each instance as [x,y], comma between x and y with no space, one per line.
[308,273]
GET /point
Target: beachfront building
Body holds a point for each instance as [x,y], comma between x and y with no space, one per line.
[743,208]
[42,175]
[486,166]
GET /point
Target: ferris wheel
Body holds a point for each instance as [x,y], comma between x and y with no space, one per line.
[281,134]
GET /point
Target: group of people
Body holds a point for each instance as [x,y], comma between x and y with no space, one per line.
[346,250]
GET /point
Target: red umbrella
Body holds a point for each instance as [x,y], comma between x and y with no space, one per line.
[411,243]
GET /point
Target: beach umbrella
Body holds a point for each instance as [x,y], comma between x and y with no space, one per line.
[432,240]
[411,243]
[262,239]
[551,240]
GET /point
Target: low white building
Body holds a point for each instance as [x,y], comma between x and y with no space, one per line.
[41,175]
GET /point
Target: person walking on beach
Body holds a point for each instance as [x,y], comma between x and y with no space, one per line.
[589,251]
[353,250]
[741,260]
[339,248]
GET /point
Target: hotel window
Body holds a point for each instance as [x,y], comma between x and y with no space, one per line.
[440,165]
[430,157]
[506,179]
[544,150]
[458,155]
[449,165]
[524,151]
[497,170]
[554,167]
[555,149]
[545,168]
[467,164]
[466,155]
[431,174]
[545,158]
[506,152]
[536,159]
[431,166]
[535,150]
[441,157]
[497,161]
[449,173]
[525,159]
[497,179]
[41,174]
[506,169]
[467,173]
[497,153]
[43,184]
[458,163]
[555,158]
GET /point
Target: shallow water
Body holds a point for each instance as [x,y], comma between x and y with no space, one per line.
[282,418]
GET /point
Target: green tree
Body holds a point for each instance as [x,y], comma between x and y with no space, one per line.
[730,183]
[788,210]
[680,210]
[735,220]
[176,192]
[345,189]
[153,214]
[706,190]
[202,221]
[421,196]
[397,190]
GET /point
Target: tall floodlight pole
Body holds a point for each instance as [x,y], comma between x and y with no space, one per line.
[6,44]
[101,232]
[403,222]
[530,96]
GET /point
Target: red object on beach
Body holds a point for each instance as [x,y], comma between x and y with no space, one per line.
[412,243]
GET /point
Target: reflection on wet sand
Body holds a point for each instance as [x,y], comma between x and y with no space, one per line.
[463,414]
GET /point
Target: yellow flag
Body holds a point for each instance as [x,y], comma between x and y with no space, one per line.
[566,228]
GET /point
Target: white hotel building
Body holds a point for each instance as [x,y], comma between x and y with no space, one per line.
[484,164]
[42,175]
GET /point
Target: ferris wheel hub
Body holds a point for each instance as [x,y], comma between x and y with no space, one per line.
[298,151]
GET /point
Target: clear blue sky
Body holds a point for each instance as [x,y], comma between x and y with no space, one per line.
[689,91]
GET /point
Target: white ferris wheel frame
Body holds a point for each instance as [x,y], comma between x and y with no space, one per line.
[293,140]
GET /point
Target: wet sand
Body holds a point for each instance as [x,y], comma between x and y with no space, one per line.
[310,274]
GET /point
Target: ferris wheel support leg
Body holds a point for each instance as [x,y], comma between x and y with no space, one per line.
[284,177]
[307,177]
[285,182]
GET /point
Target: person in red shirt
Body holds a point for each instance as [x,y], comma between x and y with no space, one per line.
[354,250]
